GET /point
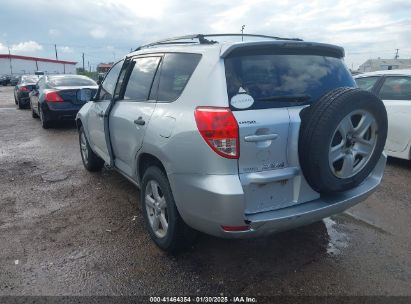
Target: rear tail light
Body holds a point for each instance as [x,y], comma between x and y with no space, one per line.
[24,89]
[235,228]
[52,96]
[219,129]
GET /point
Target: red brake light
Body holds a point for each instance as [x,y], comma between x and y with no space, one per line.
[235,228]
[219,129]
[24,89]
[52,96]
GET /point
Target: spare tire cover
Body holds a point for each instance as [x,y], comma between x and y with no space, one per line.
[342,136]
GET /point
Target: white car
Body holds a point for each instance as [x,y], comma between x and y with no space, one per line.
[394,88]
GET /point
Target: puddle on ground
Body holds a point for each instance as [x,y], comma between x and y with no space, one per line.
[337,240]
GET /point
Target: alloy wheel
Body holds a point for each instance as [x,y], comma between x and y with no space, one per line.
[156,208]
[83,147]
[352,144]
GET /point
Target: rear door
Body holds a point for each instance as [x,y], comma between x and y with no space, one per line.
[266,93]
[395,92]
[131,114]
[96,116]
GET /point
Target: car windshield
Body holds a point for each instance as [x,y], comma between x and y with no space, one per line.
[284,80]
[70,81]
[31,79]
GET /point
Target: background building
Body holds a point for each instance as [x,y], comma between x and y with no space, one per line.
[104,67]
[15,64]
[379,64]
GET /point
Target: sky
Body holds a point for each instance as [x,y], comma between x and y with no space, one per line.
[106,30]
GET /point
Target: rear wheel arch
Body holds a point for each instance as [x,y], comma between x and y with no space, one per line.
[145,161]
[79,123]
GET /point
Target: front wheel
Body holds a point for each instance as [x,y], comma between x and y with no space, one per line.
[91,161]
[163,222]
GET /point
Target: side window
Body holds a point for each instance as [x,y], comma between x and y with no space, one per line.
[396,88]
[141,78]
[176,70]
[109,83]
[123,73]
[367,83]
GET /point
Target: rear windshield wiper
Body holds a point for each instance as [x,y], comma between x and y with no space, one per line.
[294,98]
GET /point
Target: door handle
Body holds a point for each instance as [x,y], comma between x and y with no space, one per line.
[101,114]
[263,137]
[139,121]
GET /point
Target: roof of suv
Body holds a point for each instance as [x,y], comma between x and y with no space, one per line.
[226,47]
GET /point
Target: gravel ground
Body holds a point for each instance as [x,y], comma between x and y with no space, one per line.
[65,231]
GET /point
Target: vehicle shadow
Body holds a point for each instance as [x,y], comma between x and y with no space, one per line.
[256,259]
[64,125]
[398,162]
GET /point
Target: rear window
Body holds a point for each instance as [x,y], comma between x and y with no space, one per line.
[29,79]
[176,70]
[270,81]
[71,81]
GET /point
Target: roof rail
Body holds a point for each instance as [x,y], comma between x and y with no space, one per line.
[202,40]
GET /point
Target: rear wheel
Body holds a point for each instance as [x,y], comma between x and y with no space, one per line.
[45,123]
[33,114]
[20,106]
[163,222]
[91,161]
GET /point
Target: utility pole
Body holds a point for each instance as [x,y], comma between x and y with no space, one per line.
[396,54]
[55,49]
[83,61]
[88,65]
[242,32]
[11,66]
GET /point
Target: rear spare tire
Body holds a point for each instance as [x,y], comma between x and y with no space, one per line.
[342,137]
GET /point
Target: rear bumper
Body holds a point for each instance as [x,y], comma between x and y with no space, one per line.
[23,98]
[60,111]
[207,202]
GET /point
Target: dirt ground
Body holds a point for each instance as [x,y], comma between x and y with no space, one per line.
[65,231]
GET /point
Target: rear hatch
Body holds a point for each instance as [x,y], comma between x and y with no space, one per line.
[268,85]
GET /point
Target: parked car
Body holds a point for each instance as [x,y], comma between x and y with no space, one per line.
[394,88]
[235,139]
[60,97]
[24,86]
[14,79]
[5,80]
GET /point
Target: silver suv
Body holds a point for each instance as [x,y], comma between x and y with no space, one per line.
[235,139]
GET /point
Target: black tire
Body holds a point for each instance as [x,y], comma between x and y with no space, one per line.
[91,161]
[20,106]
[319,124]
[33,114]
[179,236]
[45,123]
[15,99]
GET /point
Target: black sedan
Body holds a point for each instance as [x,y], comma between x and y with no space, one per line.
[25,85]
[5,80]
[14,79]
[60,97]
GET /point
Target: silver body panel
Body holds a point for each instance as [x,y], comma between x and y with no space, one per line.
[264,188]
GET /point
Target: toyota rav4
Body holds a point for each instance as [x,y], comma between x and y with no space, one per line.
[235,139]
